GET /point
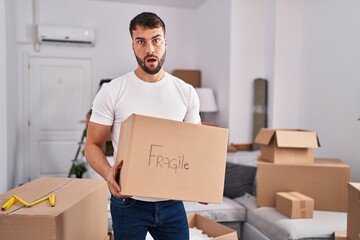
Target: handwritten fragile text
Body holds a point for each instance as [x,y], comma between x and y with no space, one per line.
[168,162]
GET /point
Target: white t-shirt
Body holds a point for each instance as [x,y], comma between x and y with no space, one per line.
[169,98]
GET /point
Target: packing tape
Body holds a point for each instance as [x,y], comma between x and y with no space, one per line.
[302,204]
[303,213]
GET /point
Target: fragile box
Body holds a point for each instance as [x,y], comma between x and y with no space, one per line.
[286,145]
[294,205]
[213,229]
[353,217]
[172,160]
[325,181]
[80,210]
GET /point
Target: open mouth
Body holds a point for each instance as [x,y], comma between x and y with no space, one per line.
[151,59]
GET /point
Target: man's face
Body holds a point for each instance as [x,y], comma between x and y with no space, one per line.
[149,47]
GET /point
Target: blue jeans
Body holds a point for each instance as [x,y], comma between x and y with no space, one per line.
[164,220]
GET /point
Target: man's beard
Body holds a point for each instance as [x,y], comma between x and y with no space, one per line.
[147,69]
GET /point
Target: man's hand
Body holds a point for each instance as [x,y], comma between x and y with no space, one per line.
[95,139]
[112,177]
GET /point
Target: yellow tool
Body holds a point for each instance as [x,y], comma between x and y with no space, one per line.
[8,204]
[15,198]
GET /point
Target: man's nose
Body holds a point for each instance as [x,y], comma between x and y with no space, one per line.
[150,49]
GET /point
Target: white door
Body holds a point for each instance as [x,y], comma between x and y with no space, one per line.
[59,98]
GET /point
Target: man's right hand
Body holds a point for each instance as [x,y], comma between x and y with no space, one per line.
[112,177]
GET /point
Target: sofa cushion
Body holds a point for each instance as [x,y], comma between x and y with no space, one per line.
[228,211]
[239,179]
[248,158]
[277,226]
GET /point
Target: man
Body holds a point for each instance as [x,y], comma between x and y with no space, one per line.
[148,90]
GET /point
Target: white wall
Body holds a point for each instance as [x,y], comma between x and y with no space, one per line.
[3,102]
[13,130]
[112,53]
[213,53]
[265,43]
[284,94]
[330,78]
[311,59]
[247,62]
[308,50]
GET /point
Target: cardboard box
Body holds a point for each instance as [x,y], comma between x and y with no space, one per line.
[213,229]
[287,146]
[353,217]
[294,204]
[340,235]
[325,181]
[111,235]
[193,77]
[172,160]
[80,211]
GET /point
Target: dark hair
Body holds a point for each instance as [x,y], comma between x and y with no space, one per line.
[147,20]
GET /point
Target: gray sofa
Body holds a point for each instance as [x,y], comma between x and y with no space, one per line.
[265,223]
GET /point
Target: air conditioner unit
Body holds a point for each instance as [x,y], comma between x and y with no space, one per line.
[66,35]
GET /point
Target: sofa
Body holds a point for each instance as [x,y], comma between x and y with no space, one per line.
[239,210]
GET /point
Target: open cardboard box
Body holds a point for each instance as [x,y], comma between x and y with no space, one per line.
[80,211]
[211,228]
[286,145]
[172,160]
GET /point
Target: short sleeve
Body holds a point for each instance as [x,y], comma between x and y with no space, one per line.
[193,111]
[102,108]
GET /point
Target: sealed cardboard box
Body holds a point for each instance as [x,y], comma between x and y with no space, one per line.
[172,160]
[192,77]
[353,217]
[287,146]
[294,205]
[340,235]
[325,181]
[80,210]
[213,229]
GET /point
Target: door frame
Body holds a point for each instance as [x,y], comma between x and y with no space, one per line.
[25,55]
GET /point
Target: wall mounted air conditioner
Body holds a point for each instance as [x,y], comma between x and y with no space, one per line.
[66,35]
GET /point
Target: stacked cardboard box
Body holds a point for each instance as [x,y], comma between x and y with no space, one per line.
[294,204]
[287,146]
[287,164]
[353,217]
[340,235]
[80,210]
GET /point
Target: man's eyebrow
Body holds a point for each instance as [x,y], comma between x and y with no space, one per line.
[141,38]
[158,35]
